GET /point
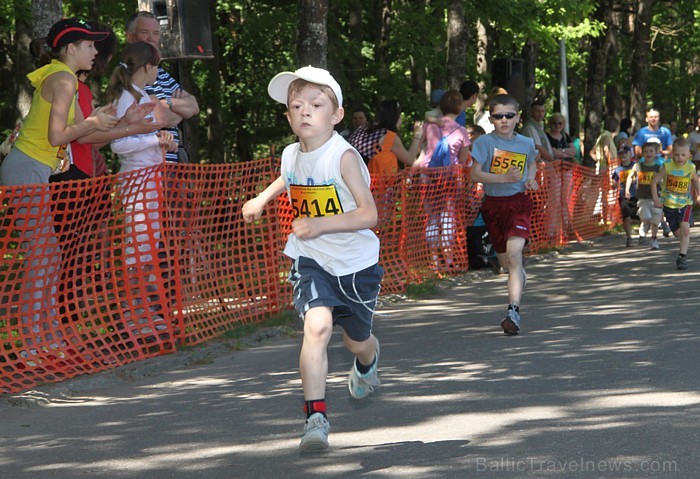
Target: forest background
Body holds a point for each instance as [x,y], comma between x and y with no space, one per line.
[622,56]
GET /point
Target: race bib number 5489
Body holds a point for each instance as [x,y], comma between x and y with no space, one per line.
[312,201]
[503,161]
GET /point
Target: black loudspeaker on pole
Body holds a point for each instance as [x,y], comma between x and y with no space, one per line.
[185,29]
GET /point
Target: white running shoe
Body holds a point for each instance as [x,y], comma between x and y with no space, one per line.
[316,431]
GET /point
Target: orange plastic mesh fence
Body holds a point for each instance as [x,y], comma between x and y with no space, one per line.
[104,272]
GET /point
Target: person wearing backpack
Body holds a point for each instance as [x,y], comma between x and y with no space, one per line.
[446,145]
[451,139]
[504,162]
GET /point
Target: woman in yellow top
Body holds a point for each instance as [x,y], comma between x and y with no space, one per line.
[37,152]
[50,124]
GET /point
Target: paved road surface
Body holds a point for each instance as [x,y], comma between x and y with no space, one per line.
[603,383]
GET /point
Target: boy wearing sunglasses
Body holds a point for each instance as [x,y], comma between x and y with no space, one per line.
[504,162]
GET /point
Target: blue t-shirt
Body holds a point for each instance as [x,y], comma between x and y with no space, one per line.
[462,118]
[497,155]
[663,134]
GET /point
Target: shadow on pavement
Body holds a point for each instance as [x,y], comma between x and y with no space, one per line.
[602,383]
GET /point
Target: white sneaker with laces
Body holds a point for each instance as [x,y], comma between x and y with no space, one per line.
[316,431]
[654,244]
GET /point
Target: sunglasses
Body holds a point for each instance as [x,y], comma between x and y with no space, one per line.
[500,116]
[557,123]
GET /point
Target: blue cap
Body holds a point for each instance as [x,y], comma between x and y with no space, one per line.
[436,96]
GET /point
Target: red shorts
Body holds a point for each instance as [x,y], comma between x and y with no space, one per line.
[506,216]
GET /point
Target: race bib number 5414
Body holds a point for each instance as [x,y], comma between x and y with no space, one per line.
[503,161]
[312,201]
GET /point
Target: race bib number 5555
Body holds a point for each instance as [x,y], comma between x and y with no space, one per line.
[503,161]
[316,200]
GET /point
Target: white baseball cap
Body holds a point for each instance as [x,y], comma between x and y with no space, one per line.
[279,85]
[652,140]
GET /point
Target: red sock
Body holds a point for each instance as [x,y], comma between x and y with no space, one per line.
[314,406]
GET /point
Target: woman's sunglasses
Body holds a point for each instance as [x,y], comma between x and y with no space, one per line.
[500,116]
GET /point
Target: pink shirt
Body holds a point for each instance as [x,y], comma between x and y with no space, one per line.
[457,139]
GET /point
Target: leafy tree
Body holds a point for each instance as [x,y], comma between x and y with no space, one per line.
[623,54]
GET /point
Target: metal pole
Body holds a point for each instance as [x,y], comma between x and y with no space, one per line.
[563,85]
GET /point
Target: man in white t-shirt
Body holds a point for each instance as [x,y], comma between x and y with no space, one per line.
[534,128]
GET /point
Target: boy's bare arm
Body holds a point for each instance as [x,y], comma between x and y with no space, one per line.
[531,180]
[252,209]
[628,183]
[659,177]
[696,184]
[364,216]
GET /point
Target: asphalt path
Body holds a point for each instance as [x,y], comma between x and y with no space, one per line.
[603,382]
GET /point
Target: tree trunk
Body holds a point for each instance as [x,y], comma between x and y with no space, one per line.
[574,94]
[354,61]
[23,62]
[613,98]
[312,36]
[215,120]
[457,38]
[529,54]
[640,62]
[595,84]
[381,50]
[420,83]
[44,14]
[484,54]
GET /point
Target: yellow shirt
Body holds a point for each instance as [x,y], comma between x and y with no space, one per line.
[676,189]
[33,140]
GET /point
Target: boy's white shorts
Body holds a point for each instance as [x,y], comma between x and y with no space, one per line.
[648,213]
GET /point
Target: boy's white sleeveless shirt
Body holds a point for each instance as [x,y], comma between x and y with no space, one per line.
[338,253]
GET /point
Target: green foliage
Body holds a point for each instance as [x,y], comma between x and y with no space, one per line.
[254,40]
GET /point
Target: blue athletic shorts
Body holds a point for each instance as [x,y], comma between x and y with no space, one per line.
[676,216]
[352,297]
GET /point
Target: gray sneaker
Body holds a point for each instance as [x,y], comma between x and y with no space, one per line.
[360,385]
[681,263]
[316,431]
[511,323]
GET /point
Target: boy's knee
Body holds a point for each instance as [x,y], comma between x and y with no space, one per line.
[317,326]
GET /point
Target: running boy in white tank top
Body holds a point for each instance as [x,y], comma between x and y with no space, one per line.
[334,253]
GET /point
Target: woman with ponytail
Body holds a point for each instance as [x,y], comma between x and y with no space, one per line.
[142,191]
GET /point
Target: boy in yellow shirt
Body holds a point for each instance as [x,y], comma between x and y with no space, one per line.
[676,177]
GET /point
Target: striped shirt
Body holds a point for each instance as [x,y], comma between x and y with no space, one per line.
[163,88]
